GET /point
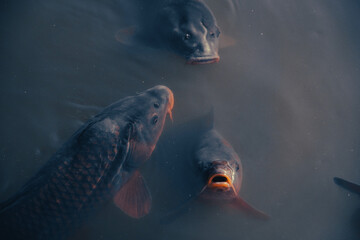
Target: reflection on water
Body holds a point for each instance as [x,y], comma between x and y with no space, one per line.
[286,96]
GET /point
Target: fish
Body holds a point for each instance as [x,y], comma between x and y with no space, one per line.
[221,171]
[98,163]
[355,188]
[186,27]
[200,168]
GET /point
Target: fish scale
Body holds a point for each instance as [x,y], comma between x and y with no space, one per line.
[67,190]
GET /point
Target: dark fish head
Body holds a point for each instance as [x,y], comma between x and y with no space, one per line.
[192,31]
[144,117]
[220,166]
[158,103]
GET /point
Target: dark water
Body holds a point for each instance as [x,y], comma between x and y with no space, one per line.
[286,95]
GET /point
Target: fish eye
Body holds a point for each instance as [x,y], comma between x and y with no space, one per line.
[187,36]
[212,35]
[156,105]
[155,119]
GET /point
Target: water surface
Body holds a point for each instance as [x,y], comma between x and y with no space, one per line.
[286,96]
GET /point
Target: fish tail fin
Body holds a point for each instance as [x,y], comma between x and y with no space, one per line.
[355,188]
[240,203]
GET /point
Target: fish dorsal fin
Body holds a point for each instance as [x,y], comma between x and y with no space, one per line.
[240,203]
[347,185]
[134,197]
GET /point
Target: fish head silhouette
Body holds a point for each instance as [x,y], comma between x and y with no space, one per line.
[191,31]
[222,173]
[145,116]
[213,174]
[220,166]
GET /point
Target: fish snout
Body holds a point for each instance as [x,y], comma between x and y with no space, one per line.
[160,89]
[203,60]
[170,105]
[167,96]
[204,52]
[171,99]
[203,55]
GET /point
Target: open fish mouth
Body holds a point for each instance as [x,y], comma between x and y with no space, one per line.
[220,181]
[203,60]
[218,187]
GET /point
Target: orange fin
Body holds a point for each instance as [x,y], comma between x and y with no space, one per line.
[134,197]
[238,202]
[125,35]
[226,41]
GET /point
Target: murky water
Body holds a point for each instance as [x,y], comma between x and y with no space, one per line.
[285,95]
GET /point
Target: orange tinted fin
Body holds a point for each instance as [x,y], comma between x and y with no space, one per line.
[134,197]
[240,203]
[226,41]
[347,185]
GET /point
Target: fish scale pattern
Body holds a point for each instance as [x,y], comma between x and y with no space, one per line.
[68,188]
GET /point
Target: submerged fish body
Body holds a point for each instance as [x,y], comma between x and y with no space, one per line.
[186,27]
[221,170]
[204,169]
[355,188]
[98,161]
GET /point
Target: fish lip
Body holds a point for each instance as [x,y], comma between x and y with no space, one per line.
[203,60]
[225,185]
[219,190]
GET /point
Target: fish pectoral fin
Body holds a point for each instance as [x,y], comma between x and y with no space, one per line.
[347,185]
[125,35]
[134,197]
[226,41]
[248,209]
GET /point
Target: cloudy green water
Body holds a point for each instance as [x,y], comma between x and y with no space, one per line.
[286,95]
